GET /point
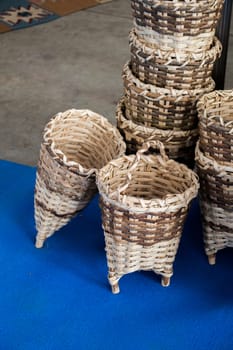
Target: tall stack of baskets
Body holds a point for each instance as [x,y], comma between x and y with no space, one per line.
[214,162]
[173,50]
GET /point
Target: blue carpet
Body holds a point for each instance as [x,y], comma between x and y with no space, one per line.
[59,298]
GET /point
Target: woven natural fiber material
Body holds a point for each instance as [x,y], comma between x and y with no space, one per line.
[152,106]
[215,112]
[179,145]
[171,68]
[75,144]
[144,201]
[216,200]
[181,25]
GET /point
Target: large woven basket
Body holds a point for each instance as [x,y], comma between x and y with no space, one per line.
[144,201]
[178,24]
[179,145]
[216,199]
[75,144]
[215,112]
[149,105]
[170,68]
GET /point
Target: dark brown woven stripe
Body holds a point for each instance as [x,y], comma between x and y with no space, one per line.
[168,19]
[52,211]
[143,229]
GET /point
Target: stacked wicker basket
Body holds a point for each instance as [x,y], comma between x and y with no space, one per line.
[173,50]
[214,161]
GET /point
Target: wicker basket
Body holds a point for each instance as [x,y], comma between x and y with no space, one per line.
[215,111]
[216,200]
[172,69]
[161,108]
[144,201]
[75,144]
[179,145]
[185,25]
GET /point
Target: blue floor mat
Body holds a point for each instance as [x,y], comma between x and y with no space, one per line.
[58,297]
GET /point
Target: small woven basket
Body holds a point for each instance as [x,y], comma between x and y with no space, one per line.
[144,201]
[216,201]
[152,106]
[215,112]
[75,144]
[178,24]
[179,145]
[170,68]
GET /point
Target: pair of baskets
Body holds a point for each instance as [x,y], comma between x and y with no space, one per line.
[214,162]
[171,68]
[144,200]
[144,197]
[75,145]
[177,24]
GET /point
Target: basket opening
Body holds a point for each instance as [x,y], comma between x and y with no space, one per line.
[222,113]
[148,182]
[89,142]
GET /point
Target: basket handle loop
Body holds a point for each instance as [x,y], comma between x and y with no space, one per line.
[145,147]
[152,144]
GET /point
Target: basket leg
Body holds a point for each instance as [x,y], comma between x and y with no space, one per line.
[165,281]
[113,281]
[212,259]
[115,288]
[39,241]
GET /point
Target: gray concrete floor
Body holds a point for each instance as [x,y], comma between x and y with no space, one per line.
[73,62]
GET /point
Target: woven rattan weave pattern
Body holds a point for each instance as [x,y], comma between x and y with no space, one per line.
[75,144]
[216,199]
[162,108]
[144,201]
[186,25]
[179,145]
[215,112]
[170,68]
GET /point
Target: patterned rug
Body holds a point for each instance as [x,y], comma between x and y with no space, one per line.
[18,14]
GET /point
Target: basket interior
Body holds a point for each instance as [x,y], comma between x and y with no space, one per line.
[148,182]
[220,110]
[89,141]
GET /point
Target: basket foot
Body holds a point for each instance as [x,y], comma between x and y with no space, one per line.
[165,281]
[212,259]
[115,288]
[39,242]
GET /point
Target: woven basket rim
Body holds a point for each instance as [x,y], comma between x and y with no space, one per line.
[147,89]
[138,128]
[184,4]
[209,162]
[186,57]
[86,114]
[205,102]
[172,202]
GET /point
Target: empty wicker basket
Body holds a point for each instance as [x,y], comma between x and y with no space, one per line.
[216,200]
[170,68]
[179,145]
[215,112]
[75,144]
[152,106]
[144,201]
[178,24]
